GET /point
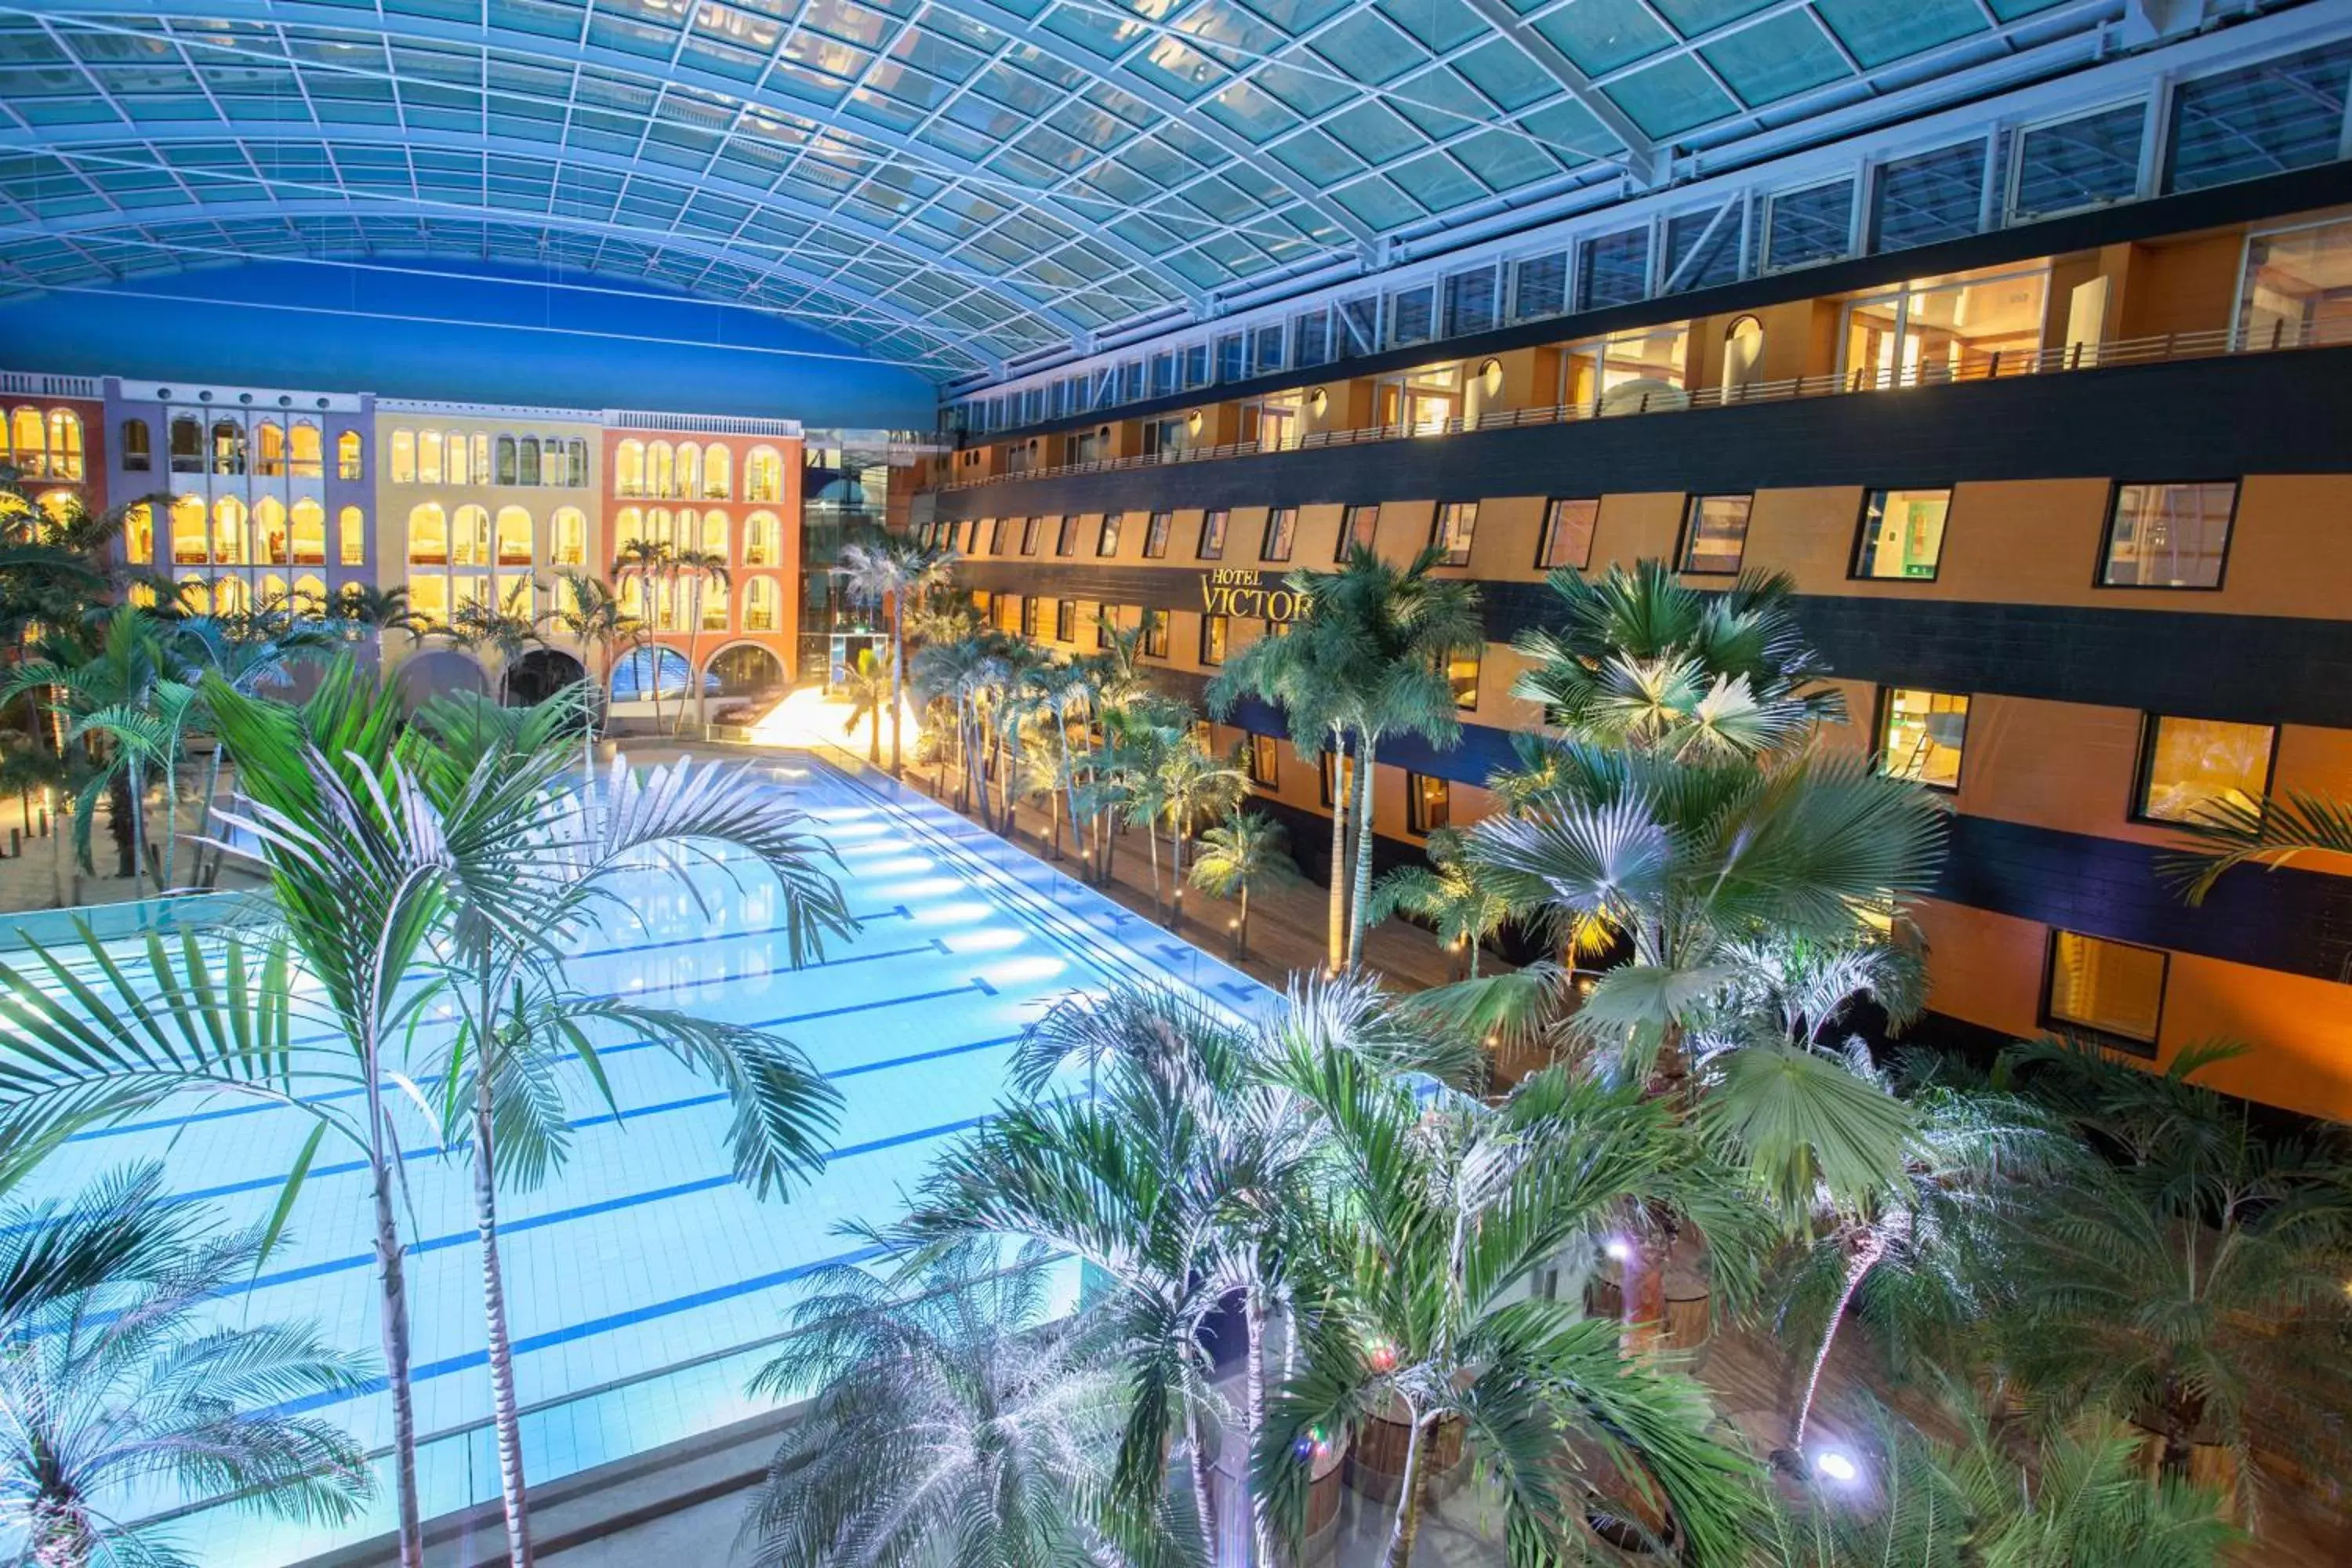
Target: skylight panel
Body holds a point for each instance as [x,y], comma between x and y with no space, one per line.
[1779,58]
[1879,31]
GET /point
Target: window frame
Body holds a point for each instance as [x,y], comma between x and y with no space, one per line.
[2144,766]
[1345,549]
[1690,503]
[1883,711]
[1032,534]
[2127,1044]
[1031,614]
[1862,532]
[1155,535]
[1222,519]
[1107,536]
[1545,534]
[2107,539]
[1265,761]
[1477,655]
[1437,534]
[1066,621]
[1155,633]
[1328,767]
[1065,538]
[1414,822]
[1224,625]
[1274,530]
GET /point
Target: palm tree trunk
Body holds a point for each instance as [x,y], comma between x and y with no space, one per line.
[1253,1407]
[1196,1439]
[1407,1527]
[1362,900]
[204,820]
[168,876]
[393,1330]
[505,1415]
[1338,925]
[1241,931]
[874,744]
[898,675]
[1175,877]
[1644,1289]
[1866,1254]
[138,783]
[1151,836]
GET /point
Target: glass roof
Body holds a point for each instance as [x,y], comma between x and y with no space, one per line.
[954,183]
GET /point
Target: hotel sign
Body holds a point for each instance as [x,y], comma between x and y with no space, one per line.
[1238,591]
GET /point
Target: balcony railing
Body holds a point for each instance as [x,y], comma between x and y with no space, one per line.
[2079,357]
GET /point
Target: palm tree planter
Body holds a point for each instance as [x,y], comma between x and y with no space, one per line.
[1382,1442]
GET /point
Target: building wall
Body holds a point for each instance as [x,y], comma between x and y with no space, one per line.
[53,433]
[2064,676]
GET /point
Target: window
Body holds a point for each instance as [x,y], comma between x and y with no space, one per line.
[1357,526]
[350,537]
[228,446]
[1067,541]
[2167,535]
[1462,674]
[1029,532]
[2112,989]
[1429,803]
[661,469]
[136,457]
[567,539]
[310,533]
[403,454]
[503,470]
[629,468]
[763,540]
[527,469]
[513,536]
[1155,537]
[188,448]
[270,530]
[763,476]
[1567,535]
[138,535]
[1281,532]
[428,536]
[1029,604]
[1921,735]
[714,533]
[303,442]
[717,473]
[1942,332]
[1155,633]
[1902,534]
[1343,770]
[1066,620]
[1105,622]
[1213,629]
[1212,535]
[65,444]
[229,531]
[759,605]
[689,474]
[1457,521]
[1265,761]
[2294,285]
[1715,534]
[191,545]
[1106,542]
[2189,764]
[347,455]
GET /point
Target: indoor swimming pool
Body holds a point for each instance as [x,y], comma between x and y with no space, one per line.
[645,1283]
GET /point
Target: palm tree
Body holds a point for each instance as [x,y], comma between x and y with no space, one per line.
[868,690]
[121,1377]
[109,691]
[1637,658]
[1451,892]
[893,570]
[250,663]
[2193,1283]
[480,625]
[1243,851]
[946,1408]
[1430,1212]
[2274,831]
[1194,784]
[698,570]
[365,606]
[651,565]
[590,612]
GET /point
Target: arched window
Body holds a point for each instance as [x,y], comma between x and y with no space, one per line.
[65,444]
[269,531]
[138,457]
[270,444]
[660,468]
[187,445]
[231,596]
[347,455]
[190,547]
[578,451]
[527,467]
[138,535]
[714,606]
[470,537]
[628,527]
[309,595]
[1743,350]
[273,593]
[763,476]
[515,594]
[310,533]
[27,445]
[763,539]
[196,595]
[514,536]
[307,457]
[690,471]
[761,605]
[657,526]
[229,531]
[428,535]
[479,444]
[228,446]
[633,598]
[714,533]
[456,439]
[57,505]
[428,457]
[568,537]
[504,473]
[629,468]
[350,537]
[403,457]
[717,477]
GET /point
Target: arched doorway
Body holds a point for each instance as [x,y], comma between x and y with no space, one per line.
[637,673]
[744,681]
[539,674]
[438,672]
[1743,350]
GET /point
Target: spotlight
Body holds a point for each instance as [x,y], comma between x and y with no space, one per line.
[1831,1464]
[1617,1249]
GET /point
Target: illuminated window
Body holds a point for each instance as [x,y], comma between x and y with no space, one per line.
[763,476]
[1066,620]
[1567,529]
[628,527]
[1212,535]
[307,455]
[2189,764]
[689,471]
[470,537]
[717,473]
[760,600]
[228,451]
[1715,535]
[2168,536]
[714,604]
[1429,803]
[231,596]
[1462,674]
[2113,989]
[273,595]
[229,531]
[350,537]
[514,536]
[269,541]
[1155,536]
[1067,541]
[763,540]
[309,595]
[1457,523]
[27,443]
[1357,526]
[1213,632]
[65,444]
[1155,633]
[403,457]
[428,535]
[310,533]
[1029,614]
[347,455]
[629,468]
[714,533]
[136,455]
[191,545]
[1029,535]
[138,535]
[428,457]
[1106,542]
[1281,532]
[1264,762]
[568,537]
[1902,534]
[196,595]
[270,449]
[661,469]
[1921,735]
[1105,622]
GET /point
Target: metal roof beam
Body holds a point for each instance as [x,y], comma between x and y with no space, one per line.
[1642,162]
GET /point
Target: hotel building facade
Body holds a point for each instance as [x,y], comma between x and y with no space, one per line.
[2045,415]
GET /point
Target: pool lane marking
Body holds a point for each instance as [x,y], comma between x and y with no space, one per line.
[934,944]
[602,1118]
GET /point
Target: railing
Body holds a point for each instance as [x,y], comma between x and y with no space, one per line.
[40,384]
[1997,366]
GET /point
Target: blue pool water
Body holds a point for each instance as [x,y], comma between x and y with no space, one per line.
[645,1285]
